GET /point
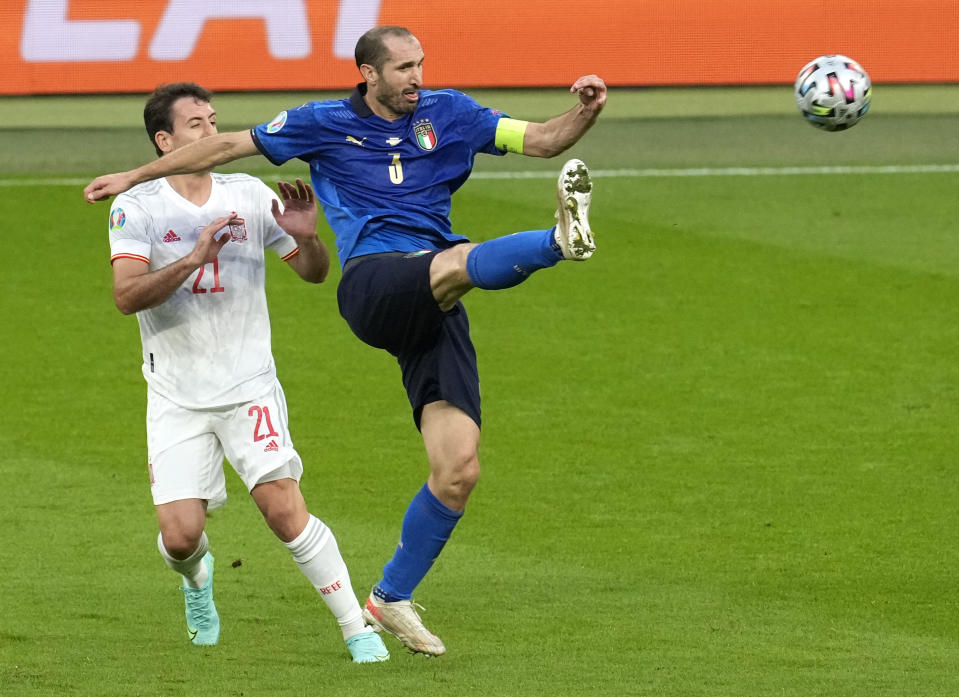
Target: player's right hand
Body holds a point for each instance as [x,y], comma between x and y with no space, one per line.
[106,186]
[208,245]
[591,91]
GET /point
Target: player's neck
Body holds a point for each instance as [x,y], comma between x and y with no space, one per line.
[195,188]
[383,112]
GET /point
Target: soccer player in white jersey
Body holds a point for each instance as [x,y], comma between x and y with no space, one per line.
[188,258]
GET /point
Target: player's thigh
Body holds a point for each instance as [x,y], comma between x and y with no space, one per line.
[184,455]
[445,370]
[256,439]
[388,302]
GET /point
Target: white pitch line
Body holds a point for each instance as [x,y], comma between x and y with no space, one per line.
[52,181]
[611,173]
[734,171]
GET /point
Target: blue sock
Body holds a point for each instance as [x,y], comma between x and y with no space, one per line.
[508,261]
[426,528]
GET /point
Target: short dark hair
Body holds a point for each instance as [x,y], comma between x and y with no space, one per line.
[370,48]
[158,112]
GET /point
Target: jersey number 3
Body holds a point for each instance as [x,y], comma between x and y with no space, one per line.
[396,169]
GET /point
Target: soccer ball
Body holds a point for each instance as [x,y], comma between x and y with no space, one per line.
[833,92]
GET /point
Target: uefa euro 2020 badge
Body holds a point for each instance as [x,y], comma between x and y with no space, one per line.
[276,124]
[117,218]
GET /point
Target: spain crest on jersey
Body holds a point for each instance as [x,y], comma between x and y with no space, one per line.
[238,230]
[425,135]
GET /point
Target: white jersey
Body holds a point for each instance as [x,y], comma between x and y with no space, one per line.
[208,344]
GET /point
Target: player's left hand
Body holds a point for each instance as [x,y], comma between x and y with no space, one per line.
[591,91]
[298,217]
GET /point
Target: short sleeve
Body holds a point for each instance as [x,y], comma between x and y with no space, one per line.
[479,124]
[129,229]
[291,134]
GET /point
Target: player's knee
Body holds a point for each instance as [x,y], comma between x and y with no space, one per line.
[449,279]
[469,473]
[284,522]
[282,506]
[181,542]
[458,480]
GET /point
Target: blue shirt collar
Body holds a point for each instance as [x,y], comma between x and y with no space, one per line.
[359,104]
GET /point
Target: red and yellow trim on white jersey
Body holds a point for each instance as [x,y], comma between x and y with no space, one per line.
[128,255]
[291,254]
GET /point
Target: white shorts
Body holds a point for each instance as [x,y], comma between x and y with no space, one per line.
[186,447]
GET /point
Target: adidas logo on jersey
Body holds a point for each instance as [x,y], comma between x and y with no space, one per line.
[171,237]
[271,447]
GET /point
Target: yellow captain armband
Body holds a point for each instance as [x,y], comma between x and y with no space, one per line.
[510,134]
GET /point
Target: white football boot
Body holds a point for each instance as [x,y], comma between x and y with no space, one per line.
[402,621]
[574,191]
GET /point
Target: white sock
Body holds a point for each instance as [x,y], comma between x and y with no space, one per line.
[192,568]
[318,556]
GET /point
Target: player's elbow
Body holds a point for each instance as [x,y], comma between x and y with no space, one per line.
[125,302]
[318,274]
[236,145]
[543,141]
[311,274]
[545,150]
[125,307]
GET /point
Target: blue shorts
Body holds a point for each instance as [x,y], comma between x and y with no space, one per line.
[388,303]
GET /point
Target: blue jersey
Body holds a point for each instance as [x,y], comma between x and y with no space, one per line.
[385,186]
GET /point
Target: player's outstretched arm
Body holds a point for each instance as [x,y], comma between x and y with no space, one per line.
[201,156]
[298,220]
[561,132]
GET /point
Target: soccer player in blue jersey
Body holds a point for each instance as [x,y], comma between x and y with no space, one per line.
[385,163]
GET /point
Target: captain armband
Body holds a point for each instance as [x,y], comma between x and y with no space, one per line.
[510,134]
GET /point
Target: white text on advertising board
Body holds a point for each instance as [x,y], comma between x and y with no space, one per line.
[49,35]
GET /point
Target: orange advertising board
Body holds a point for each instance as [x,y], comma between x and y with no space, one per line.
[108,46]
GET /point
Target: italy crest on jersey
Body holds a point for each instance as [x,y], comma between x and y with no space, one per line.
[425,135]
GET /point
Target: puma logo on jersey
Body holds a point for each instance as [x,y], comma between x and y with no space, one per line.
[351,139]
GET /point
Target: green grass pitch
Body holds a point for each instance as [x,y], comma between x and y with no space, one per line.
[719,458]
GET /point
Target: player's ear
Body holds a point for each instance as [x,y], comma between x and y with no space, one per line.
[163,140]
[368,72]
